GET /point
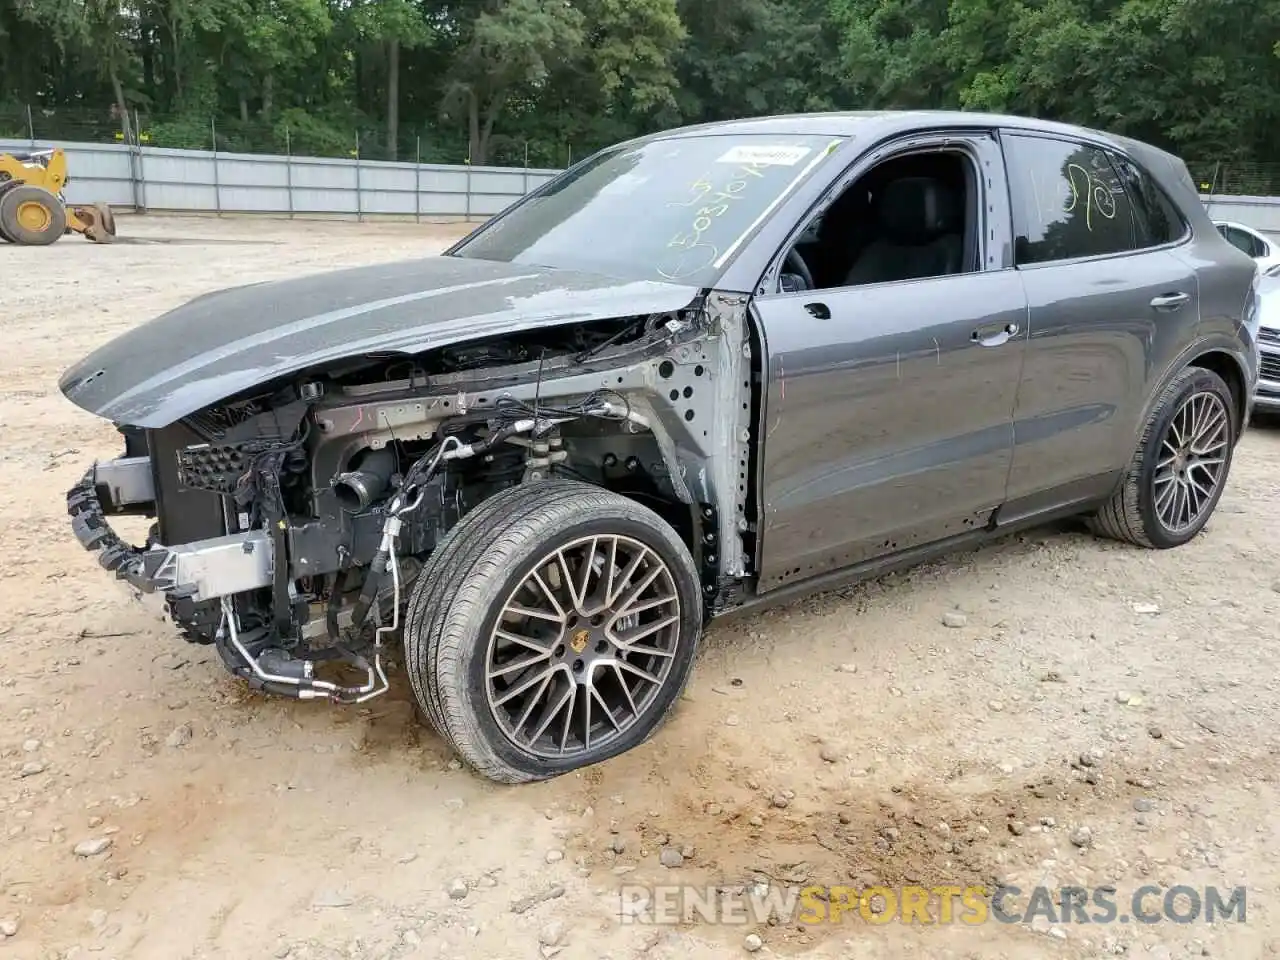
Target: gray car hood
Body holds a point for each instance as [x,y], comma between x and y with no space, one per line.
[221,343]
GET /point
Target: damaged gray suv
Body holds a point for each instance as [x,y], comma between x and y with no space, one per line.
[699,370]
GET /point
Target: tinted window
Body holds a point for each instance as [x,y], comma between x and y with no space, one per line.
[1156,219]
[1243,240]
[667,209]
[1068,201]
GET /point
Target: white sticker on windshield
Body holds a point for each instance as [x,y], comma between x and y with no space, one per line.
[779,155]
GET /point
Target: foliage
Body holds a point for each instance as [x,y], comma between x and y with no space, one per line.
[490,79]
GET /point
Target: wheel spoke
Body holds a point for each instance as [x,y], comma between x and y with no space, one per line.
[1175,430]
[534,701]
[516,691]
[551,597]
[574,600]
[1164,498]
[643,674]
[627,574]
[1213,439]
[631,637]
[520,639]
[553,712]
[622,682]
[519,665]
[641,607]
[624,608]
[518,610]
[568,717]
[1211,467]
[1193,499]
[1203,493]
[588,564]
[586,720]
[605,707]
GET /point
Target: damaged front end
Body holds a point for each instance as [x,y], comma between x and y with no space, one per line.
[292,521]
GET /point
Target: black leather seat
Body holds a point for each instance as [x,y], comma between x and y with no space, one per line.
[921,233]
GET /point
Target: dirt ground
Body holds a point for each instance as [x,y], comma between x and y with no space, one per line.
[957,724]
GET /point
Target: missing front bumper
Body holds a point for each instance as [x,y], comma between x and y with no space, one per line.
[198,571]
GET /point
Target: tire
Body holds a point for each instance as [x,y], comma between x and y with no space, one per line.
[5,186]
[1138,511]
[486,562]
[26,197]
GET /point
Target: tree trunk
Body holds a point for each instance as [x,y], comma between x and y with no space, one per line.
[268,94]
[118,88]
[490,118]
[475,150]
[244,109]
[393,98]
[177,63]
[149,59]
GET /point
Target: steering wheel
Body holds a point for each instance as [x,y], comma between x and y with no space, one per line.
[796,262]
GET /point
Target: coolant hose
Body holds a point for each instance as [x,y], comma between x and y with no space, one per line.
[377,570]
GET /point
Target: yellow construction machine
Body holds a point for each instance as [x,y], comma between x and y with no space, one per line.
[32,208]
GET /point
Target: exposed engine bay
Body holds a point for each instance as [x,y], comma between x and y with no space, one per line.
[291,522]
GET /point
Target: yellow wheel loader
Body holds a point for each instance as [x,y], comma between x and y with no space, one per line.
[32,208]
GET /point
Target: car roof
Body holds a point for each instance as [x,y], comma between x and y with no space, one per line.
[882,124]
[878,124]
[851,122]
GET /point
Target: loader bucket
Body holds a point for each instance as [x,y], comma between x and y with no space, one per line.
[96,222]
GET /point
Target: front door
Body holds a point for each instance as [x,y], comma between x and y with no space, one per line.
[889,416]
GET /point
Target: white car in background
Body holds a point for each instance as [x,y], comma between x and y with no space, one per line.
[1257,245]
[1266,396]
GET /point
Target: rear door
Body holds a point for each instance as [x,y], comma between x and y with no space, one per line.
[1104,293]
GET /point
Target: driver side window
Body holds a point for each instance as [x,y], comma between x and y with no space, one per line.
[910,217]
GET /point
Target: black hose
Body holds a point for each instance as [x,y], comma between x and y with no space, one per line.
[369,592]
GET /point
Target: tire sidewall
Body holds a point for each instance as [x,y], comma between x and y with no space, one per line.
[25,193]
[1200,381]
[474,658]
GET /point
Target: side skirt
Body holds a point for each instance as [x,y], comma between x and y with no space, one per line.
[1056,505]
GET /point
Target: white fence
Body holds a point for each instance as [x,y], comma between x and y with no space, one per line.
[1261,213]
[160,179]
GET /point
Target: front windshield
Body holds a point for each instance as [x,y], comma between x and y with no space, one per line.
[664,210]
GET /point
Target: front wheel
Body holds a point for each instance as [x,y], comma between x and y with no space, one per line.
[553,628]
[1180,468]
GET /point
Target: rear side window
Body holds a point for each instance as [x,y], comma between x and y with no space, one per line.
[1068,201]
[1243,241]
[1156,218]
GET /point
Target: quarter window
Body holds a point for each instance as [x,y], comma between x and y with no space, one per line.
[1244,241]
[1068,201]
[1156,219]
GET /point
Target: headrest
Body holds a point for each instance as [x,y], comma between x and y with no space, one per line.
[918,209]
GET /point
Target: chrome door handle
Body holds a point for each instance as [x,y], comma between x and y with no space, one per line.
[1169,301]
[993,336]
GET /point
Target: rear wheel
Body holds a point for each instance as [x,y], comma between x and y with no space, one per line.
[554,629]
[1180,468]
[31,215]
